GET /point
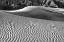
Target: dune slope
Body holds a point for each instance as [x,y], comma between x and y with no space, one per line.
[39,13]
[15,28]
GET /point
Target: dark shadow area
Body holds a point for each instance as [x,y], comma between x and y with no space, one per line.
[7,5]
[38,14]
[43,14]
[59,4]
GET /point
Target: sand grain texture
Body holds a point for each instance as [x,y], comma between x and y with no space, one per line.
[15,28]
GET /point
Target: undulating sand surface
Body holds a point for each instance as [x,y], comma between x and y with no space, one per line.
[39,12]
[15,28]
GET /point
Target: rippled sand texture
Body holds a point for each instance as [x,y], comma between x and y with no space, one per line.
[23,29]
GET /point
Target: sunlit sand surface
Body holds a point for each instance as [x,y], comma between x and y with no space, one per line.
[39,12]
[29,8]
[15,28]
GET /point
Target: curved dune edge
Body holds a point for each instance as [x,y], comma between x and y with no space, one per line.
[59,10]
[29,8]
[26,9]
[37,12]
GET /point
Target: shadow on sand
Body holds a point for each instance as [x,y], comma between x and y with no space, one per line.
[41,14]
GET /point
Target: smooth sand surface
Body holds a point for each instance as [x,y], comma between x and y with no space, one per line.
[39,12]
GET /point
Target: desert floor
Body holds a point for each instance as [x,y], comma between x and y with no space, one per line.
[17,28]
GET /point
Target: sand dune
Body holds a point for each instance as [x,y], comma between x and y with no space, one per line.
[29,8]
[19,28]
[39,13]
